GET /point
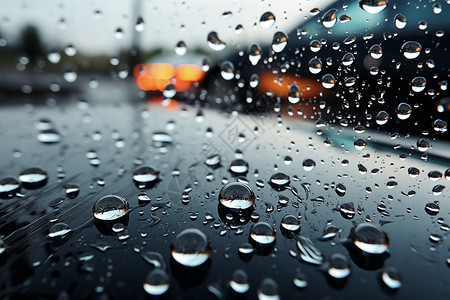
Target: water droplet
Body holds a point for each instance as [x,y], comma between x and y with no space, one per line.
[411,49]
[391,278]
[246,248]
[360,144]
[191,248]
[423,25]
[328,81]
[314,11]
[145,176]
[227,70]
[118,34]
[376,51]
[347,210]
[49,136]
[432,208]
[344,19]
[157,282]
[169,91]
[2,246]
[213,161]
[290,223]
[315,46]
[110,207]
[254,53]
[418,84]
[180,48]
[239,281]
[400,21]
[268,290]
[33,178]
[329,232]
[440,125]
[300,280]
[279,180]
[54,56]
[404,111]
[315,65]
[9,187]
[413,172]
[59,230]
[72,190]
[70,50]
[369,238]
[340,189]
[339,266]
[279,41]
[214,42]
[308,252]
[236,196]
[437,8]
[239,166]
[308,164]
[348,59]
[434,175]
[262,233]
[140,24]
[267,20]
[373,6]
[329,18]
[423,145]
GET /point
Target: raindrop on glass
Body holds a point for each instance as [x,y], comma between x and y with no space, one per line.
[191,248]
[369,238]
[236,196]
[110,207]
[262,233]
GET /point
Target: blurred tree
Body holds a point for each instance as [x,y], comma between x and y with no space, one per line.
[31,42]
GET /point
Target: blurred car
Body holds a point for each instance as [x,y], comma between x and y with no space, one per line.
[348,66]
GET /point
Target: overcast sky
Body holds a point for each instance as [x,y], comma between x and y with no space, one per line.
[63,22]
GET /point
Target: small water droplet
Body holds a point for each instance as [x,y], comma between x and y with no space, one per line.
[290,223]
[376,51]
[59,230]
[267,20]
[418,84]
[180,48]
[400,21]
[214,42]
[391,278]
[339,266]
[373,6]
[254,53]
[239,166]
[268,290]
[328,81]
[145,176]
[157,282]
[239,281]
[404,111]
[411,49]
[140,24]
[329,18]
[279,41]
[227,70]
[308,164]
[315,65]
[262,233]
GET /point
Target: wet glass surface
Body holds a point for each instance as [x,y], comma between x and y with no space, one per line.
[231,188]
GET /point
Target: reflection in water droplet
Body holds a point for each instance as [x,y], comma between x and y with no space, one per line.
[227,70]
[432,208]
[246,248]
[279,180]
[110,207]
[214,42]
[400,21]
[191,248]
[239,281]
[236,196]
[391,278]
[268,290]
[411,49]
[49,136]
[440,125]
[413,172]
[418,84]
[267,20]
[9,187]
[329,18]
[315,65]
[54,56]
[329,232]
[376,51]
[308,164]
[180,48]
[157,282]
[348,59]
[369,238]
[33,177]
[290,223]
[360,144]
[294,94]
[300,280]
[254,53]
[404,111]
[315,46]
[279,41]
[328,81]
[145,175]
[423,145]
[239,166]
[373,6]
[437,8]
[118,33]
[72,190]
[347,210]
[262,233]
[59,230]
[339,266]
[140,25]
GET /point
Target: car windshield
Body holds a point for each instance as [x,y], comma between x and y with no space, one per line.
[224,149]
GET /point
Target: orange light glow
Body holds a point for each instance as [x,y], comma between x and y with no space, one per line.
[157,76]
[308,87]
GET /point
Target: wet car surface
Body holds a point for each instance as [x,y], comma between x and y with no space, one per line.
[140,196]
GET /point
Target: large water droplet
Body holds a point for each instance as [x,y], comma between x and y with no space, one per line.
[308,164]
[290,223]
[376,51]
[418,84]
[262,233]
[339,266]
[236,196]
[437,8]
[373,6]
[328,81]
[315,46]
[404,111]
[279,41]
[9,187]
[279,180]
[191,248]
[214,42]
[382,117]
[157,282]
[33,178]
[315,65]
[411,49]
[239,166]
[145,176]
[267,20]
[110,207]
[59,230]
[369,238]
[329,18]
[268,290]
[239,281]
[440,125]
[227,70]
[254,53]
